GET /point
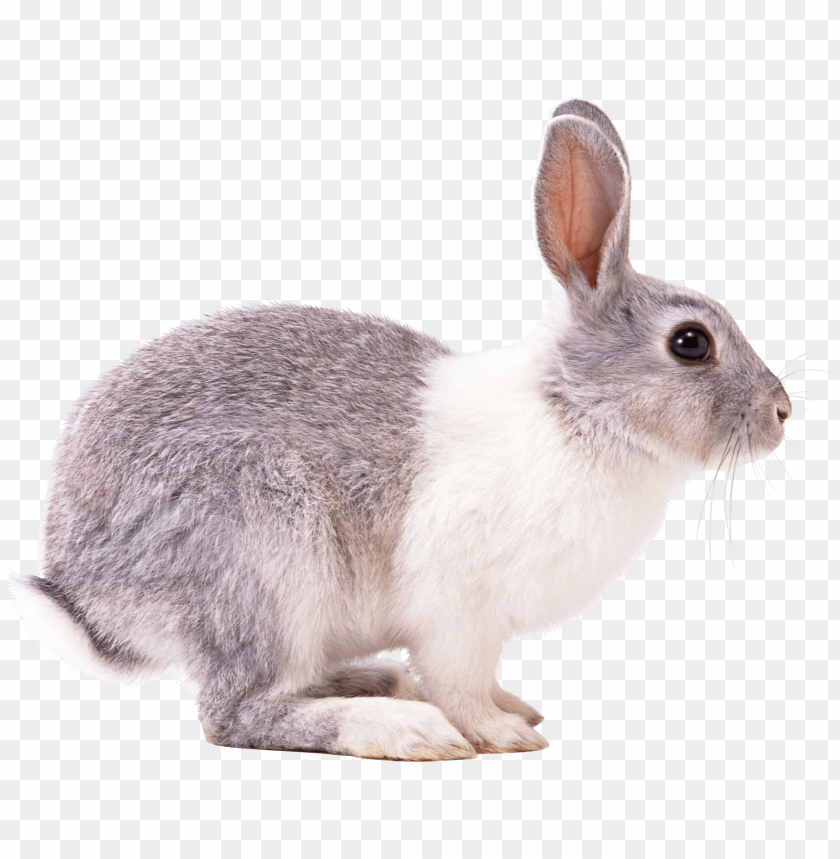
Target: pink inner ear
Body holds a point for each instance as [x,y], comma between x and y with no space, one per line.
[584,198]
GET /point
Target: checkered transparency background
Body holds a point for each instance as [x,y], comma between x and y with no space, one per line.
[160,162]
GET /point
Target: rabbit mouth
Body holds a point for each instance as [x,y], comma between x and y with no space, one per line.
[747,442]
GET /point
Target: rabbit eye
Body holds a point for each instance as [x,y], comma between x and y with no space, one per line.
[690,343]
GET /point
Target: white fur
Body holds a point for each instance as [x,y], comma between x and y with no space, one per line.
[514,522]
[60,635]
[511,525]
[393,728]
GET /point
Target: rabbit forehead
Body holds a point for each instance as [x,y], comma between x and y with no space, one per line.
[645,308]
[680,306]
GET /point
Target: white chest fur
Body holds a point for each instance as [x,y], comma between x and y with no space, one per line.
[509,518]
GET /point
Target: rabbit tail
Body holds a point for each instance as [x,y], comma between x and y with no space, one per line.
[64,628]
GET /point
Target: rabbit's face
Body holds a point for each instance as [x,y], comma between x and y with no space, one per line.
[668,370]
[634,361]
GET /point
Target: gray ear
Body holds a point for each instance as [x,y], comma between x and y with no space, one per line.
[582,199]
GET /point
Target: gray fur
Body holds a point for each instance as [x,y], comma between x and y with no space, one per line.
[380,678]
[119,654]
[572,142]
[610,375]
[587,110]
[275,434]
[255,468]
[612,379]
[257,719]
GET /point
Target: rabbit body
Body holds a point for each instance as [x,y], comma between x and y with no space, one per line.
[197,486]
[265,499]
[204,516]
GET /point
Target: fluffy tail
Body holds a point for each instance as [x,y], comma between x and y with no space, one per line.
[64,629]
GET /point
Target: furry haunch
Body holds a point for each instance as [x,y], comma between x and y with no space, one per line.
[266,499]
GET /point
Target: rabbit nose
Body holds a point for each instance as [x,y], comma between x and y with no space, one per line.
[782,402]
[783,407]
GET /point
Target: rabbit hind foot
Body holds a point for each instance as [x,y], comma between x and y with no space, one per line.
[365,727]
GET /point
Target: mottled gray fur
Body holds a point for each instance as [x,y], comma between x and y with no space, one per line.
[279,434]
[230,500]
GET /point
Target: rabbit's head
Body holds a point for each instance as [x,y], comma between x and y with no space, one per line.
[634,362]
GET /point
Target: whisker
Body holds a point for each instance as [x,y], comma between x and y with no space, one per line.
[784,375]
[711,489]
[802,355]
[703,509]
[749,447]
[771,482]
[731,480]
[726,475]
[732,494]
[798,358]
[779,459]
[761,474]
[802,370]
[727,523]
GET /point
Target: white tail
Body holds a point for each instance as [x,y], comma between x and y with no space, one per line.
[57,631]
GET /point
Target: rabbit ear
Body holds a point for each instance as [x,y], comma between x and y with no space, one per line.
[587,110]
[582,198]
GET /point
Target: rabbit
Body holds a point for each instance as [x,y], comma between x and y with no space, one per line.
[266,499]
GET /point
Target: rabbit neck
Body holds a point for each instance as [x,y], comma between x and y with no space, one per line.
[511,500]
[497,402]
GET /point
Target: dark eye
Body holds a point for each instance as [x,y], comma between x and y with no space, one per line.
[691,343]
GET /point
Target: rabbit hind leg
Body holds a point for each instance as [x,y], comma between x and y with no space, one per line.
[367,727]
[374,678]
[389,678]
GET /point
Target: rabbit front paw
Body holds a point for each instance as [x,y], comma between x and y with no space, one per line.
[507,732]
[511,704]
